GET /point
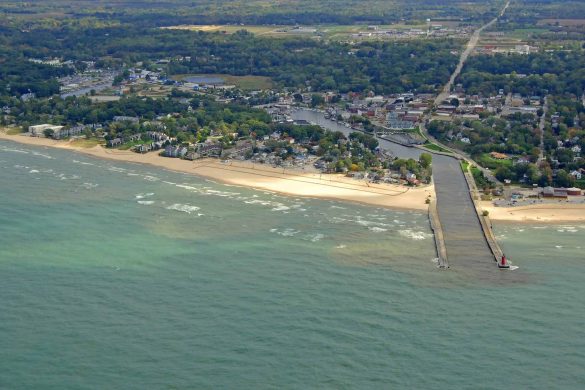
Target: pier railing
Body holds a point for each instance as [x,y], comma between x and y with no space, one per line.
[484,221]
[437,229]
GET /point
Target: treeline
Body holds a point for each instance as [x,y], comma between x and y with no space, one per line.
[527,12]
[517,135]
[533,74]
[19,76]
[204,113]
[155,13]
[378,66]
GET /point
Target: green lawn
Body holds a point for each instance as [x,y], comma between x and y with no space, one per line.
[464,165]
[13,130]
[435,147]
[488,161]
[524,33]
[86,143]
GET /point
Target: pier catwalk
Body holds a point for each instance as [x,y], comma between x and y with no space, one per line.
[464,237]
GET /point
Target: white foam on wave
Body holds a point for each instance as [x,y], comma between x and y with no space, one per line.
[42,155]
[5,149]
[186,187]
[63,176]
[185,208]
[151,178]
[89,186]
[286,232]
[116,169]
[146,202]
[414,235]
[558,246]
[33,171]
[341,246]
[221,193]
[316,237]
[368,224]
[145,195]
[82,162]
[376,229]
[280,208]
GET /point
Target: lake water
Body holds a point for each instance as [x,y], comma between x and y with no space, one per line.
[126,276]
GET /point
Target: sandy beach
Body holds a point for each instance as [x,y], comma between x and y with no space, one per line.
[538,213]
[291,182]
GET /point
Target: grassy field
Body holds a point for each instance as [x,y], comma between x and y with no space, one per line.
[230,29]
[561,22]
[525,33]
[243,82]
[328,31]
[13,130]
[86,143]
[464,165]
[435,147]
[493,163]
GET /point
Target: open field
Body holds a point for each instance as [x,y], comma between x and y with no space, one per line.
[561,22]
[243,82]
[85,143]
[12,130]
[327,31]
[435,147]
[228,29]
[525,33]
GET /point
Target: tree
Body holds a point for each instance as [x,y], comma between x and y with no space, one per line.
[425,160]
[563,179]
[317,100]
[49,133]
[503,173]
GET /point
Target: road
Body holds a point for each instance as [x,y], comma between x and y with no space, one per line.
[465,54]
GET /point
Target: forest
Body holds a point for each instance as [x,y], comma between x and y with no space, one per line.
[534,74]
[382,67]
[171,12]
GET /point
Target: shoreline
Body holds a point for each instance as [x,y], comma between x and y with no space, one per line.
[246,174]
[544,213]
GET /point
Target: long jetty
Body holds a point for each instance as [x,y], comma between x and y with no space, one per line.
[459,224]
[484,220]
[442,259]
[463,237]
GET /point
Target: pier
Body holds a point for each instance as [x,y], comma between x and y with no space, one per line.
[463,237]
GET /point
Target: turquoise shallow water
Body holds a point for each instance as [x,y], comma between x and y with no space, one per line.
[124,276]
